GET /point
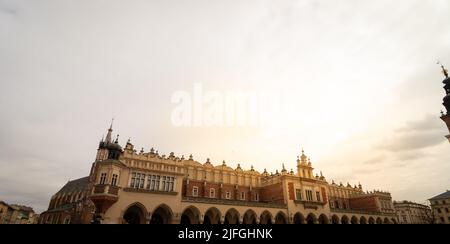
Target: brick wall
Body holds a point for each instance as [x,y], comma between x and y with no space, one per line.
[291,191]
[272,193]
[364,203]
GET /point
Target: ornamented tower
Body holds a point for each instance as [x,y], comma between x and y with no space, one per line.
[104,193]
[446,116]
[304,166]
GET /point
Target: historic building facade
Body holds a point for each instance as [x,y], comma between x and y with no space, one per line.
[127,186]
[413,213]
[70,205]
[440,207]
[17,214]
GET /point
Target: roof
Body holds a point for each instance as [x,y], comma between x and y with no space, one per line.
[75,185]
[62,208]
[445,195]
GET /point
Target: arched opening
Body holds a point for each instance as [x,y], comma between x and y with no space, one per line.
[394,221]
[386,221]
[281,218]
[161,215]
[371,221]
[345,220]
[190,215]
[363,220]
[354,220]
[379,221]
[212,216]
[231,217]
[266,218]
[311,219]
[323,219]
[135,214]
[335,220]
[249,217]
[67,220]
[299,219]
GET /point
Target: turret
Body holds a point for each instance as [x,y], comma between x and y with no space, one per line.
[446,101]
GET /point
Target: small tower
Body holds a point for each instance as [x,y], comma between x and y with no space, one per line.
[108,149]
[446,101]
[304,168]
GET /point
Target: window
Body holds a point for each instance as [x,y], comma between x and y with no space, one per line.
[102,178]
[257,197]
[153,182]
[331,204]
[439,210]
[336,203]
[318,196]
[167,183]
[309,195]
[164,185]
[227,195]
[298,194]
[114,180]
[242,195]
[170,183]
[442,220]
[67,220]
[137,180]
[212,193]
[195,191]
[446,210]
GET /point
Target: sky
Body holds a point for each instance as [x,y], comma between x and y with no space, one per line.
[361,88]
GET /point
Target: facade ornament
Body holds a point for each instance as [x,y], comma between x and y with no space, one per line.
[444,70]
[191,157]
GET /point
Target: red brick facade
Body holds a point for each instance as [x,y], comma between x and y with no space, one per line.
[364,203]
[291,191]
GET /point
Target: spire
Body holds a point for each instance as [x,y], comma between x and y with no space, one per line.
[109,135]
[444,71]
[303,157]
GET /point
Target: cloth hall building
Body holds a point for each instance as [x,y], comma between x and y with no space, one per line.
[127,186]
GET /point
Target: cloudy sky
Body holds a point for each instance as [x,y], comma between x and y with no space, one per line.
[362,77]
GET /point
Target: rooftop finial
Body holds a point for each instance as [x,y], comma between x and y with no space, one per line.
[444,71]
[112,121]
[108,138]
